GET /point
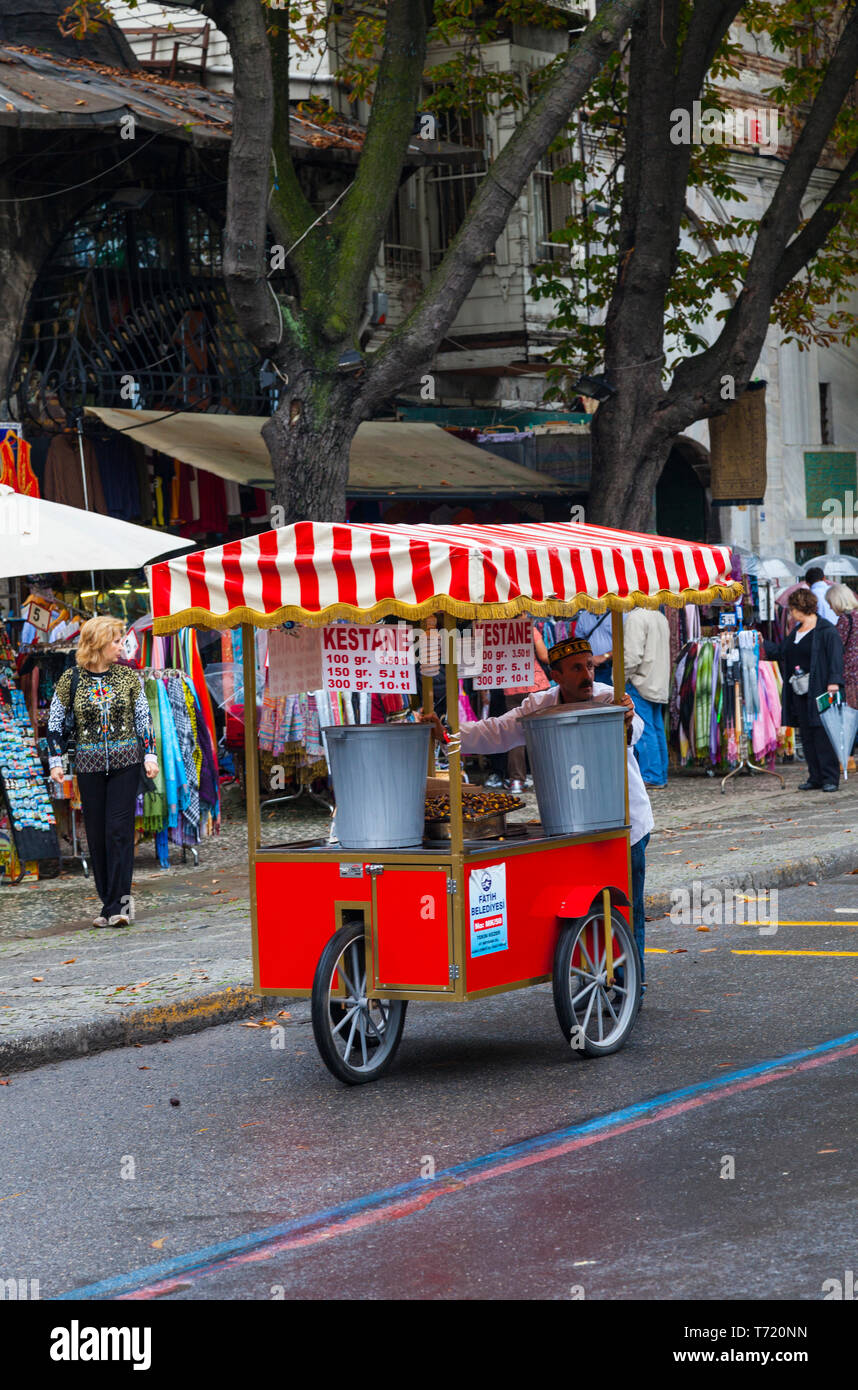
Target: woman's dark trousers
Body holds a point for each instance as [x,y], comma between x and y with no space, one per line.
[821,759]
[108,800]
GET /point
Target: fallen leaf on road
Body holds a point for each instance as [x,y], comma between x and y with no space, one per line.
[70,962]
[701,1011]
[173,1100]
[702,928]
[5,1083]
[215,892]
[159,1243]
[38,979]
[679,951]
[673,851]
[828,1151]
[812,883]
[144,1068]
[284,1013]
[248,1023]
[202,1131]
[249,1123]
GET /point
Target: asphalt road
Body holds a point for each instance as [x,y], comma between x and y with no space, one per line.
[743,1188]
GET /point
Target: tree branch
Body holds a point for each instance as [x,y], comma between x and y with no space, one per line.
[695,389]
[245,267]
[360,220]
[411,346]
[822,222]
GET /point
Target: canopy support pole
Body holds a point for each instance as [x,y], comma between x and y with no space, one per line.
[251,759]
[619,661]
[453,750]
[427,691]
[86,508]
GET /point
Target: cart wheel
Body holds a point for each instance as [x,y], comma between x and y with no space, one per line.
[596,1018]
[357,1036]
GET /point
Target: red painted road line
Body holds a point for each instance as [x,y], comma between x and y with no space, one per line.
[396,1210]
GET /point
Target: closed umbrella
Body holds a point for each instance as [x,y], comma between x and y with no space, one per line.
[840,722]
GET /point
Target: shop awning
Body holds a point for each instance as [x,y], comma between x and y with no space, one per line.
[313,572]
[42,537]
[387,457]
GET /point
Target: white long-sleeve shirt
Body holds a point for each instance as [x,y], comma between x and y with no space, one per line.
[646,643]
[504,732]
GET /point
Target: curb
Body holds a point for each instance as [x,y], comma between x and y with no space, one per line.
[146,1024]
[789,875]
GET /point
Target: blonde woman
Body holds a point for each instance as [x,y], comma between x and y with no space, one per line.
[101,706]
[845,605]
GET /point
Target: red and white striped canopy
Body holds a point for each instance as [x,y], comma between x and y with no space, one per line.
[313,572]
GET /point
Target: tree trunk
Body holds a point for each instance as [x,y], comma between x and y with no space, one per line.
[309,440]
[629,454]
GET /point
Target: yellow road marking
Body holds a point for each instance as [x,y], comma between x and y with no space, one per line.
[838,923]
[794,953]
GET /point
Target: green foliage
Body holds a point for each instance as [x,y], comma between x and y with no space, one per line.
[711,262]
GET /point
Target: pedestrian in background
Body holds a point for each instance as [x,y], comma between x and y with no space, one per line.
[100,710]
[646,650]
[811,660]
[845,606]
[820,586]
[598,630]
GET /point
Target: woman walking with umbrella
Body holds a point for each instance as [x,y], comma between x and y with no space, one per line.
[100,708]
[811,660]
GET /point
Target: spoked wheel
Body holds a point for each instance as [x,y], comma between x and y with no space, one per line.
[357,1036]
[596,1016]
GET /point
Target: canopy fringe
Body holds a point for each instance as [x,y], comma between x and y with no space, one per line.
[442,603]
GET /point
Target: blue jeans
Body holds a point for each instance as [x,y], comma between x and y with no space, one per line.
[651,747]
[638,875]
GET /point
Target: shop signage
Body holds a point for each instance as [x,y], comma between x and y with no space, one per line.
[379,660]
[487,903]
[294,661]
[40,616]
[507,649]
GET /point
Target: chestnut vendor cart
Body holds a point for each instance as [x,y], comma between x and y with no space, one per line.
[363,932]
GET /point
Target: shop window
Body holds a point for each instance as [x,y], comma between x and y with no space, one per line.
[450,187]
[553,205]
[826,433]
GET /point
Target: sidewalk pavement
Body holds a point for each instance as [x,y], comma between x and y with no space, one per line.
[67,989]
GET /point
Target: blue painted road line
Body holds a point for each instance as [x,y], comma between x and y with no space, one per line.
[419,1192]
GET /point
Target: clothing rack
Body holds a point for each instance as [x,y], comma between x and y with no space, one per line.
[158,673]
[729,644]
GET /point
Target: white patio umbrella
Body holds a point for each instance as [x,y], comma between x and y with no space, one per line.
[832,565]
[41,537]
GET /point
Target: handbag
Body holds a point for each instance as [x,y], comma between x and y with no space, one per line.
[800,682]
[68,737]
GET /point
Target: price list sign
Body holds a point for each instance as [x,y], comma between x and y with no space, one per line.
[507,655]
[379,660]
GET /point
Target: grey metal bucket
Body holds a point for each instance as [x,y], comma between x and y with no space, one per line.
[577,760]
[379,776]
